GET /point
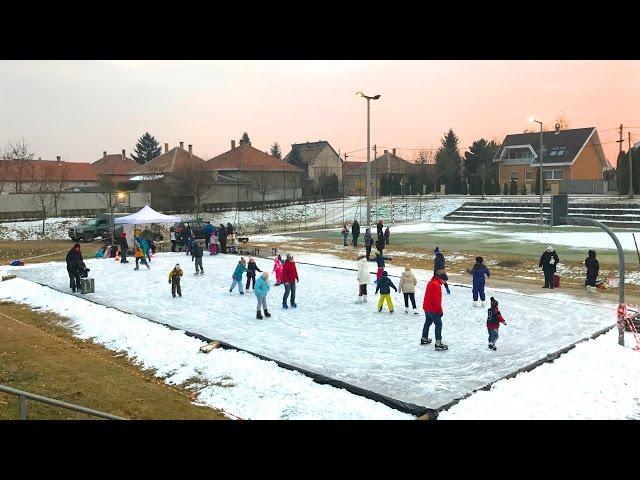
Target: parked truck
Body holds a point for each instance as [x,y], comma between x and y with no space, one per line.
[99,226]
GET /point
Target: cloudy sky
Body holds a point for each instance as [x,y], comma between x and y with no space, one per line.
[77,109]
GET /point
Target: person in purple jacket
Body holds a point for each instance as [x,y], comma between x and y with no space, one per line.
[479,270]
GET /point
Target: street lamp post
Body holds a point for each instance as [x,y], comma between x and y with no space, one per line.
[532,119]
[368,98]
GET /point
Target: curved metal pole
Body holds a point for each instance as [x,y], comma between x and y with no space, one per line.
[596,223]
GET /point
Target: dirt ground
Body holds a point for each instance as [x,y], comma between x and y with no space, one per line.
[41,250]
[41,356]
[507,271]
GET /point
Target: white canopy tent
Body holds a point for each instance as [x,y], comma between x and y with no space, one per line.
[144,216]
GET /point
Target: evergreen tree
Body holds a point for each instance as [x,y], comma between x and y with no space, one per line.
[146,149]
[537,187]
[449,163]
[479,166]
[623,172]
[275,151]
[245,139]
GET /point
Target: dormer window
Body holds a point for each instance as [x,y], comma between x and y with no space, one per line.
[519,153]
[558,151]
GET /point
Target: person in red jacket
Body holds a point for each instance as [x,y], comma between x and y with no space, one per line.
[494,319]
[432,306]
[289,278]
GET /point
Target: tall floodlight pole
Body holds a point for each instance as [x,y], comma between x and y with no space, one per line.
[368,98]
[532,119]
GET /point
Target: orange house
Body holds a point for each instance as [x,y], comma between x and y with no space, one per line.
[573,154]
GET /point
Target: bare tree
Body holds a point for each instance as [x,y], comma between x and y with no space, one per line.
[425,160]
[43,186]
[265,184]
[58,181]
[4,174]
[108,197]
[194,178]
[19,155]
[562,121]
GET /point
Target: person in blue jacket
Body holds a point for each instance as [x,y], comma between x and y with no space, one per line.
[208,229]
[237,275]
[479,270]
[380,263]
[260,290]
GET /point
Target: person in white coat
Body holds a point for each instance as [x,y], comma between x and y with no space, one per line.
[407,287]
[364,277]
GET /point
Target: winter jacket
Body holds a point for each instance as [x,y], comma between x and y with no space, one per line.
[208,229]
[237,273]
[345,230]
[385,284]
[143,245]
[379,228]
[139,253]
[289,272]
[380,243]
[196,250]
[229,229]
[222,234]
[407,282]
[277,265]
[252,268]
[355,228]
[438,262]
[368,240]
[479,270]
[175,274]
[73,257]
[123,244]
[380,260]
[546,261]
[261,287]
[432,302]
[386,235]
[494,318]
[363,271]
[593,266]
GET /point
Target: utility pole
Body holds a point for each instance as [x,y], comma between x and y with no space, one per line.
[375,177]
[630,168]
[620,141]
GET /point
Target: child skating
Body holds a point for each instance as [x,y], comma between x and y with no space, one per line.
[407,287]
[385,285]
[494,319]
[363,277]
[479,270]
[174,280]
[261,289]
[252,268]
[277,268]
[139,254]
[380,263]
[196,253]
[237,276]
[213,244]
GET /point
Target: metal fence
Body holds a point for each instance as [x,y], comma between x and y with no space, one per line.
[22,404]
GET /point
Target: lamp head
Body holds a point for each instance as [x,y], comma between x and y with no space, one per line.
[376,97]
[359,94]
[532,119]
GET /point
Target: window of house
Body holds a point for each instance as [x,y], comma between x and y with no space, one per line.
[552,174]
[519,153]
[513,176]
[529,176]
[558,151]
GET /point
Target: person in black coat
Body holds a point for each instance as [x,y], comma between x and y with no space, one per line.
[368,243]
[196,252]
[229,229]
[593,267]
[222,238]
[379,228]
[386,236]
[123,248]
[252,268]
[74,257]
[355,232]
[548,262]
[438,266]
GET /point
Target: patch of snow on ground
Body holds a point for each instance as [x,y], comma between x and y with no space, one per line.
[56,228]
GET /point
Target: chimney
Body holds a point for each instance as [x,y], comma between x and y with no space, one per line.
[166,147]
[104,153]
[58,158]
[394,152]
[190,149]
[233,144]
[182,145]
[124,155]
[385,152]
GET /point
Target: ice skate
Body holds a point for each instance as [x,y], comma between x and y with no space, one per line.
[475,303]
[415,311]
[406,310]
[284,305]
[425,341]
[441,346]
[390,311]
[259,315]
[359,301]
[266,313]
[365,299]
[294,305]
[492,347]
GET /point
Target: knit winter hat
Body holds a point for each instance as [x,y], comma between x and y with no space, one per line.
[385,274]
[479,259]
[442,276]
[177,265]
[436,250]
[494,302]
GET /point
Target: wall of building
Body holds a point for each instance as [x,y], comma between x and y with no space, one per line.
[327,163]
[587,165]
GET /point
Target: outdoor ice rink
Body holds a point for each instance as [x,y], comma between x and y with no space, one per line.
[330,335]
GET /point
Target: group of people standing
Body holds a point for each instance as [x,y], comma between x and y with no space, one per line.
[215,238]
[381,242]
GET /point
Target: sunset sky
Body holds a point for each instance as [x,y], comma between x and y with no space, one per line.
[77,109]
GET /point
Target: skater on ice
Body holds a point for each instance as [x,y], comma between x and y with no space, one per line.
[174,279]
[438,266]
[289,278]
[208,231]
[213,244]
[380,263]
[123,248]
[140,258]
[252,268]
[277,268]
[432,306]
[407,287]
[363,277]
[384,285]
[355,232]
[196,253]
[368,243]
[261,289]
[387,234]
[494,319]
[222,237]
[479,270]
[237,275]
[549,262]
[345,234]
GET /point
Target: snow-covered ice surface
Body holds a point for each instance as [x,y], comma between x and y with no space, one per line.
[597,380]
[237,382]
[331,335]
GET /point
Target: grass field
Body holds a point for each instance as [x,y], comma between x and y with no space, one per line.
[41,356]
